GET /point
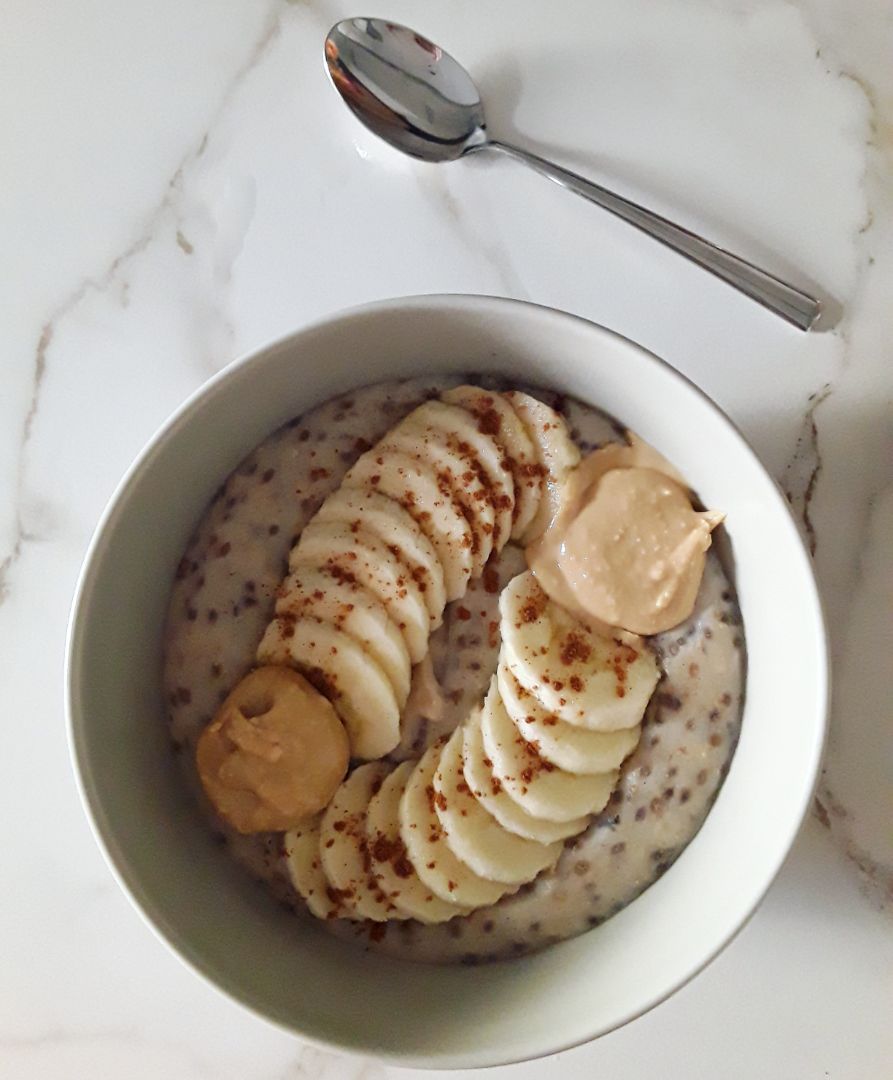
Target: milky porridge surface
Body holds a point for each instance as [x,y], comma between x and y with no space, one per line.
[222,600]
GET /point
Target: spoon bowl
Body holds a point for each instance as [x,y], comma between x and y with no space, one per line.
[405,89]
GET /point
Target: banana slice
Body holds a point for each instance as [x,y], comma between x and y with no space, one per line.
[535,784]
[360,556]
[343,848]
[395,526]
[478,770]
[432,505]
[571,748]
[474,835]
[395,873]
[582,678]
[557,452]
[431,448]
[304,866]
[341,669]
[353,609]
[498,419]
[444,874]
[479,449]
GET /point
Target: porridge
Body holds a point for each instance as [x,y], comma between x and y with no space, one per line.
[539,706]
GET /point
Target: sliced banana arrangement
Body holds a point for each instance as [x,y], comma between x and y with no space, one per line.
[413,521]
[487,809]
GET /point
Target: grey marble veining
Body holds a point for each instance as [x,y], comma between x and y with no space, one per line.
[179,186]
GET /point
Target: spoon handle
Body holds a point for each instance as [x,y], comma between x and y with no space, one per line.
[778,296]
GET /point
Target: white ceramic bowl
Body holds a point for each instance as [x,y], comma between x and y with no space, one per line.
[297,976]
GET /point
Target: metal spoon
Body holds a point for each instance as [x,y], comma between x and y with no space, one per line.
[419,99]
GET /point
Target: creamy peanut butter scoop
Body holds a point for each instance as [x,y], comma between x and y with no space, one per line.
[274,754]
[626,548]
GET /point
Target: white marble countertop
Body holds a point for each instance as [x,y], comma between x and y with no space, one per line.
[180,184]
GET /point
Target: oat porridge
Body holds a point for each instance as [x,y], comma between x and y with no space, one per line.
[514,714]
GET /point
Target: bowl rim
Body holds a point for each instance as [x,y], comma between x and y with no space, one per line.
[90,567]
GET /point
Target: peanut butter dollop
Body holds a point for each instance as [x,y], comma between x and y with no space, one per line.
[626,549]
[274,754]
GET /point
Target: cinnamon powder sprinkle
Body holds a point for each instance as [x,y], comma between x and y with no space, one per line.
[575,648]
[490,580]
[530,613]
[489,422]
